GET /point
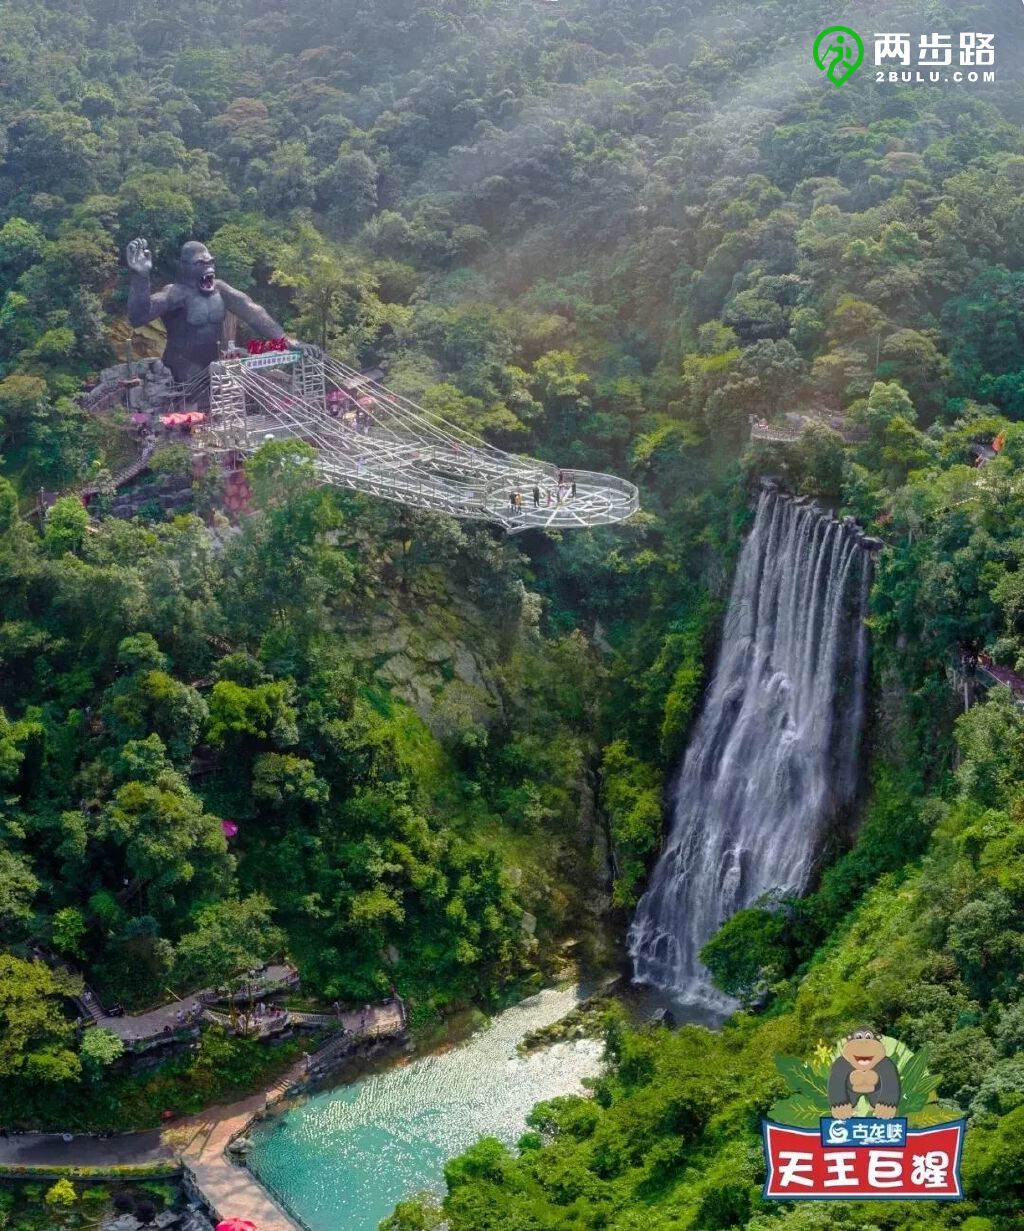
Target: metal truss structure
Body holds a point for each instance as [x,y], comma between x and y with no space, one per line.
[372,440]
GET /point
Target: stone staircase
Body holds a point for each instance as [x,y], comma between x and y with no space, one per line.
[126,473]
[313,1019]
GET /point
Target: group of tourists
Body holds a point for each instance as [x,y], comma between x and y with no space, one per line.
[546,497]
[365,1015]
[360,420]
[263,1015]
[353,411]
[187,1017]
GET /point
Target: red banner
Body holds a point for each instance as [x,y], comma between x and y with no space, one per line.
[800,1168]
[263,346]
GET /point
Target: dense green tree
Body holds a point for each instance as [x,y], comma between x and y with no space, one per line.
[18,886]
[632,792]
[100,1048]
[66,523]
[36,1037]
[21,397]
[229,937]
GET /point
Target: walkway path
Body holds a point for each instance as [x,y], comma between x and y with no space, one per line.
[230,1189]
[1002,675]
[147,1025]
[50,1150]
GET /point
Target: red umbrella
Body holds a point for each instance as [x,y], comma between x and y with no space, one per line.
[229,828]
[236,1224]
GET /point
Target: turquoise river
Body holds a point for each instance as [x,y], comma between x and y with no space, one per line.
[341,1160]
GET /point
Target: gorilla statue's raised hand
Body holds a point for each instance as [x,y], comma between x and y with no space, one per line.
[193,309]
[140,259]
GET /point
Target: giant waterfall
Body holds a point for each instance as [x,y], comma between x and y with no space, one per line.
[774,754]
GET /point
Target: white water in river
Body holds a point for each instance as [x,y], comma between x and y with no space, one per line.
[773,757]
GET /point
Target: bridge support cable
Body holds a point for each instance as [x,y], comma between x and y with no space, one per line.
[370,439]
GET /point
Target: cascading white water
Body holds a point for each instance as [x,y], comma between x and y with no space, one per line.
[773,757]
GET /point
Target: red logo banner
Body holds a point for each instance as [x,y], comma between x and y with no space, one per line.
[800,1168]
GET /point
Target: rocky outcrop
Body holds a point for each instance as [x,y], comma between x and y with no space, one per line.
[172,493]
[148,384]
[437,659]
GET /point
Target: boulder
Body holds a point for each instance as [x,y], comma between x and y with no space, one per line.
[196,1220]
[439,652]
[397,639]
[400,668]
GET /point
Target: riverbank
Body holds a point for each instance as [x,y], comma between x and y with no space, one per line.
[347,1155]
[198,1150]
[200,1154]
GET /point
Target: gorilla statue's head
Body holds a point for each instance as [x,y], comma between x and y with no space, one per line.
[197,267]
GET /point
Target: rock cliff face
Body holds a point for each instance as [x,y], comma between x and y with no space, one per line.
[147,385]
[172,493]
[461,671]
[438,659]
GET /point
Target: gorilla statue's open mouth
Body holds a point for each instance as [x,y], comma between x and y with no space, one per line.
[206,281]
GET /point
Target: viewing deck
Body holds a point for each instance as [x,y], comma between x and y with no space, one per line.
[370,439]
[976,673]
[181,1015]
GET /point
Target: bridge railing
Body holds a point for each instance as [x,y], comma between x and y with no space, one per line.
[609,482]
[778,433]
[773,432]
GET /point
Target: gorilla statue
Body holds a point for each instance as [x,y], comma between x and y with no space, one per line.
[193,309]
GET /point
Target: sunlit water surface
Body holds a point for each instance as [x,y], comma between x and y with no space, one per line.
[344,1158]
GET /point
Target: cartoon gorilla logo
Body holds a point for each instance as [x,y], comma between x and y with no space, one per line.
[863,1068]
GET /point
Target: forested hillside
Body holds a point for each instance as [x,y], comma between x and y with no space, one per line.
[605,235]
